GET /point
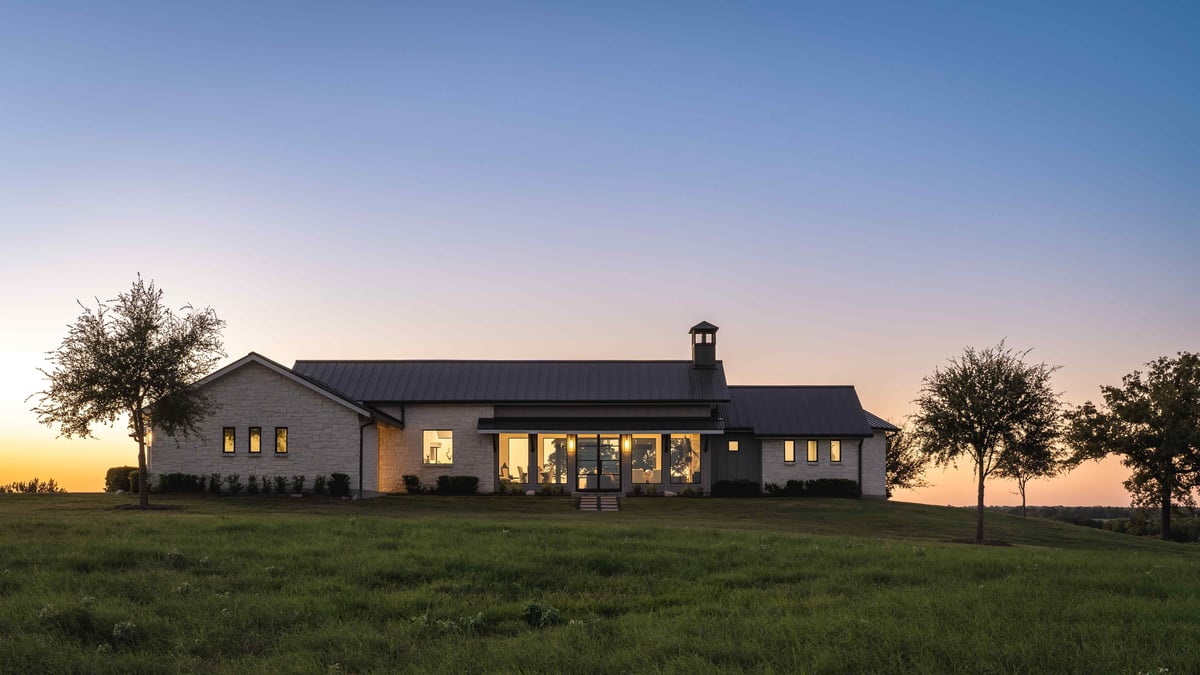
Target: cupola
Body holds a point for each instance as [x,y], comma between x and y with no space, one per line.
[704,345]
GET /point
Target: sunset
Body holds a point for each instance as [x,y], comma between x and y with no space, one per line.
[855,194]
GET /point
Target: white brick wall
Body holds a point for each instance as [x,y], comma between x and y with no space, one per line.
[875,466]
[776,471]
[322,434]
[401,450]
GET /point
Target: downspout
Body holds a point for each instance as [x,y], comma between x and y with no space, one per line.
[860,490]
[362,426]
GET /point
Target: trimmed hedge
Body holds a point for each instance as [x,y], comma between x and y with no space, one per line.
[821,487]
[117,478]
[457,485]
[180,482]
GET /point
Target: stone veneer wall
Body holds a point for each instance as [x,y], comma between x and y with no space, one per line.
[401,450]
[774,470]
[322,434]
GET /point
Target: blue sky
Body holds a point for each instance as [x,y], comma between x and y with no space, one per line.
[853,191]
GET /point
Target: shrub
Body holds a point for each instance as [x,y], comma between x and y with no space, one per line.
[457,485]
[692,492]
[552,491]
[134,483]
[252,485]
[541,616]
[281,485]
[33,487]
[214,483]
[180,482]
[234,482]
[736,488]
[773,489]
[339,485]
[297,484]
[117,478]
[412,484]
[821,487]
[319,485]
[266,485]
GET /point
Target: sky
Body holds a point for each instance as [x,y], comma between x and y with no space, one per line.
[854,192]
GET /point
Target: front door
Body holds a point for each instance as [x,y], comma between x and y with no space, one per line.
[598,462]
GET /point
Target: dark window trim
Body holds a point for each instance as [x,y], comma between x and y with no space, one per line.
[250,441]
[285,435]
[228,448]
[839,457]
[423,456]
[670,452]
[793,459]
[816,445]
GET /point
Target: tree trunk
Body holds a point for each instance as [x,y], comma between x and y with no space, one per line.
[1165,519]
[140,430]
[979,514]
[1021,488]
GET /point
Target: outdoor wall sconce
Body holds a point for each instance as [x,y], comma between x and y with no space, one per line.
[626,443]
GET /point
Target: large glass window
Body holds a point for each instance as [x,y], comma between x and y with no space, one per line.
[645,459]
[438,447]
[514,458]
[552,460]
[230,438]
[685,458]
[835,451]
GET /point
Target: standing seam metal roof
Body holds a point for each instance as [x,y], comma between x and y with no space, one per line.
[520,381]
[796,411]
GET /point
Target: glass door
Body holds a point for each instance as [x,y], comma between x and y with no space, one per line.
[598,462]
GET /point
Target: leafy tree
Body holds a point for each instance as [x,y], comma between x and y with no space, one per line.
[1153,422]
[905,462]
[977,405]
[1033,453]
[132,356]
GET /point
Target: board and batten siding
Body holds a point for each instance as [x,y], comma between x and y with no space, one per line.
[323,435]
[401,451]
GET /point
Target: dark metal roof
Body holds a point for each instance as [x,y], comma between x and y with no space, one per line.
[520,381]
[879,423]
[796,411]
[703,325]
[628,425]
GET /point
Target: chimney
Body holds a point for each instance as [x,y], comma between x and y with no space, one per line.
[704,345]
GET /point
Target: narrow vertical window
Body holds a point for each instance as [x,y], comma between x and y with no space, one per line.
[812,451]
[835,451]
[281,440]
[255,440]
[733,446]
[789,451]
[230,435]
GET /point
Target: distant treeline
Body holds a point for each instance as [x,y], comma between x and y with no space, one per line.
[1185,522]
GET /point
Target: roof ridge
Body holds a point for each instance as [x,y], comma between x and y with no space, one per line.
[496,361]
[790,386]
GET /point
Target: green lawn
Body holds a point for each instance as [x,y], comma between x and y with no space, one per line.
[452,584]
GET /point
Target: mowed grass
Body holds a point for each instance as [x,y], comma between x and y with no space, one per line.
[674,585]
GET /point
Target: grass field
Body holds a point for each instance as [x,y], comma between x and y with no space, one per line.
[529,584]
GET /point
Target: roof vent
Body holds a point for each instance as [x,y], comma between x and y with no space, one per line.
[704,345]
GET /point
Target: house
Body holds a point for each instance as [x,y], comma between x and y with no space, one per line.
[581,426]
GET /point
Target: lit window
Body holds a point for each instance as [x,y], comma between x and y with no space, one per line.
[708,338]
[281,440]
[255,439]
[644,458]
[789,451]
[552,460]
[514,458]
[230,435]
[812,451]
[685,458]
[439,447]
[733,446]
[835,451]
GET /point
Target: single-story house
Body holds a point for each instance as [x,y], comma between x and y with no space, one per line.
[581,426]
